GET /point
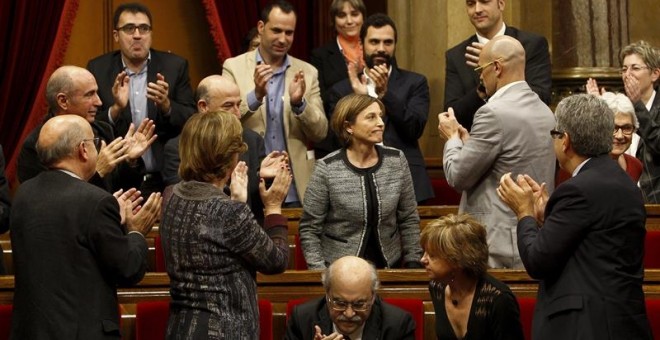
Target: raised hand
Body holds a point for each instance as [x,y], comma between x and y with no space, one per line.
[120,90]
[297,88]
[472,53]
[592,88]
[159,93]
[272,163]
[140,140]
[128,200]
[449,127]
[358,82]
[320,336]
[110,155]
[380,76]
[239,182]
[262,74]
[275,195]
[146,216]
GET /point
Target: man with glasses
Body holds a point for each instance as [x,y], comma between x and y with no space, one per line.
[509,134]
[463,92]
[585,242]
[350,308]
[72,242]
[73,90]
[137,82]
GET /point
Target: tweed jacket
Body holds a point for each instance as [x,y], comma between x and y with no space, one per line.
[300,130]
[333,223]
[649,148]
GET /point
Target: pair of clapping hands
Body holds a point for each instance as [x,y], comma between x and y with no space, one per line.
[264,72]
[128,148]
[524,196]
[274,166]
[134,215]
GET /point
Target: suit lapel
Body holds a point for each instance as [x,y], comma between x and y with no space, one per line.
[152,69]
[288,77]
[338,64]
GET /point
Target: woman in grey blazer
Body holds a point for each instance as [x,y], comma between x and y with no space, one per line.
[360,200]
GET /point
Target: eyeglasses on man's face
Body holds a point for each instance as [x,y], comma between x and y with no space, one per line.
[96,141]
[627,129]
[633,68]
[130,28]
[481,68]
[357,306]
[556,134]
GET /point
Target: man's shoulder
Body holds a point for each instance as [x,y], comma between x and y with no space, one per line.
[525,37]
[167,57]
[459,49]
[104,59]
[241,58]
[299,63]
[411,75]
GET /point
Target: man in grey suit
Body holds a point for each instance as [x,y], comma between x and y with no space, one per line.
[509,134]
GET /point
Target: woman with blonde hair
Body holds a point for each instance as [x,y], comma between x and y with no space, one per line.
[213,245]
[468,302]
[360,200]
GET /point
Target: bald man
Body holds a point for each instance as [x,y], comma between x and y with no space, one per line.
[218,93]
[73,90]
[350,308]
[74,243]
[510,134]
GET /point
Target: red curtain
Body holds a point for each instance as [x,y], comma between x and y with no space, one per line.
[230,20]
[34,36]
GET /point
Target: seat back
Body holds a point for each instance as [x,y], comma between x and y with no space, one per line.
[527,305]
[151,319]
[444,193]
[416,308]
[299,262]
[653,314]
[652,249]
[5,321]
[265,320]
[160,255]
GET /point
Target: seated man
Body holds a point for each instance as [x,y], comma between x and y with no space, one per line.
[350,308]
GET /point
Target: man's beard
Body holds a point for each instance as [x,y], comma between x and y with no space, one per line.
[369,59]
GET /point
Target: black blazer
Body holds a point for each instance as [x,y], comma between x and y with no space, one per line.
[330,63]
[588,255]
[461,81]
[406,112]
[70,254]
[255,153]
[386,322]
[175,70]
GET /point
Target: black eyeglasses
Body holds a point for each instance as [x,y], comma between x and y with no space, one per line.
[481,68]
[341,305]
[96,141]
[625,129]
[556,134]
[130,28]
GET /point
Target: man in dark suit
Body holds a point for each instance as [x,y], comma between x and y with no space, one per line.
[5,205]
[73,90]
[137,82]
[72,242]
[350,308]
[586,242]
[462,91]
[215,93]
[405,95]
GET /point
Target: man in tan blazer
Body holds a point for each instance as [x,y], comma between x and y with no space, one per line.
[277,103]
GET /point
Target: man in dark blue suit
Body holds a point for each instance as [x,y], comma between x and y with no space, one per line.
[73,243]
[217,93]
[405,95]
[138,82]
[462,91]
[586,242]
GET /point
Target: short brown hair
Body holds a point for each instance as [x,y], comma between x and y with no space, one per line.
[337,5]
[458,239]
[644,50]
[347,110]
[208,144]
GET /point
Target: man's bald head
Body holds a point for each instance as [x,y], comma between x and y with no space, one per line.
[350,271]
[507,56]
[215,93]
[73,90]
[59,142]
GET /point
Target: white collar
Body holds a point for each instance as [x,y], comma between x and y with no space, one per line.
[649,104]
[579,167]
[500,92]
[485,40]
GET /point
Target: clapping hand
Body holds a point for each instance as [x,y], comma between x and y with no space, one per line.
[239,182]
[272,163]
[110,155]
[158,92]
